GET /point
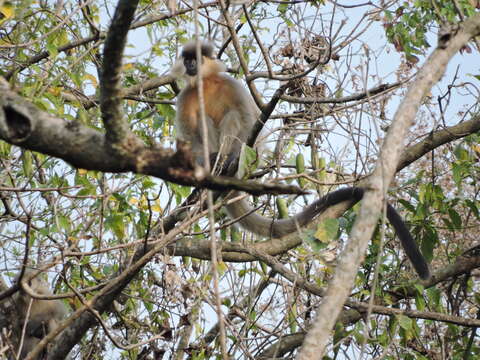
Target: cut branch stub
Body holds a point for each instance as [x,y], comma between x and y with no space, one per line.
[15,121]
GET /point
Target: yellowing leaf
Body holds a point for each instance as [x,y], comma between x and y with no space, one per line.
[157,208]
[133,201]
[327,230]
[7,10]
[74,303]
[165,129]
[72,240]
[128,66]
[92,78]
[54,90]
[82,172]
[222,268]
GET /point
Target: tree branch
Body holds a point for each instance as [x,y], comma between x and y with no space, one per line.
[373,200]
[81,320]
[74,44]
[335,100]
[438,138]
[23,124]
[118,133]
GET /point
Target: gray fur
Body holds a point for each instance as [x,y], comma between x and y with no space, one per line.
[44,315]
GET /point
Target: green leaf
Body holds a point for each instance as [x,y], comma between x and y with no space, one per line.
[434,296]
[27,163]
[63,222]
[52,49]
[247,162]
[116,224]
[473,208]
[300,165]
[282,208]
[420,301]
[327,230]
[180,191]
[455,217]
[292,318]
[477,298]
[235,234]
[429,240]
[308,236]
[405,322]
[407,205]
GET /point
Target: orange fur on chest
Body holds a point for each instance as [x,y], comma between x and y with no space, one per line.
[219,99]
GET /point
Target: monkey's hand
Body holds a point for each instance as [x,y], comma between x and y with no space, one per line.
[225,164]
[37,329]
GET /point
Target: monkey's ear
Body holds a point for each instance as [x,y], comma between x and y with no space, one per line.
[178,69]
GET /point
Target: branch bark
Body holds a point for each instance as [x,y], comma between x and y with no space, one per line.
[118,135]
[335,100]
[373,200]
[23,124]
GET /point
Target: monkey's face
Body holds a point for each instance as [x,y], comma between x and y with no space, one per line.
[189,55]
[190,64]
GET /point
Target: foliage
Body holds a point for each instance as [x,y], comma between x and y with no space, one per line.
[87,225]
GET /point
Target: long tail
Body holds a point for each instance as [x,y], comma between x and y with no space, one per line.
[269,227]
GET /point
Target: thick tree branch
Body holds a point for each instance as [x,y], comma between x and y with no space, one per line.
[118,132]
[438,138]
[373,200]
[23,124]
[335,100]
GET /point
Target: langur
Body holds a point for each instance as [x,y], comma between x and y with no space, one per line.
[230,111]
[230,115]
[40,316]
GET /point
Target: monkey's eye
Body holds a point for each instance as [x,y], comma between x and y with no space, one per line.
[190,66]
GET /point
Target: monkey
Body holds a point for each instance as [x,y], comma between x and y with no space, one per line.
[230,115]
[230,111]
[43,315]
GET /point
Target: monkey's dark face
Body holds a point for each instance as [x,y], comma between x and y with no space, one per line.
[190,65]
[189,55]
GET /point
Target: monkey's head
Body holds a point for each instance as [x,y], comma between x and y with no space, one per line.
[187,64]
[37,284]
[189,56]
